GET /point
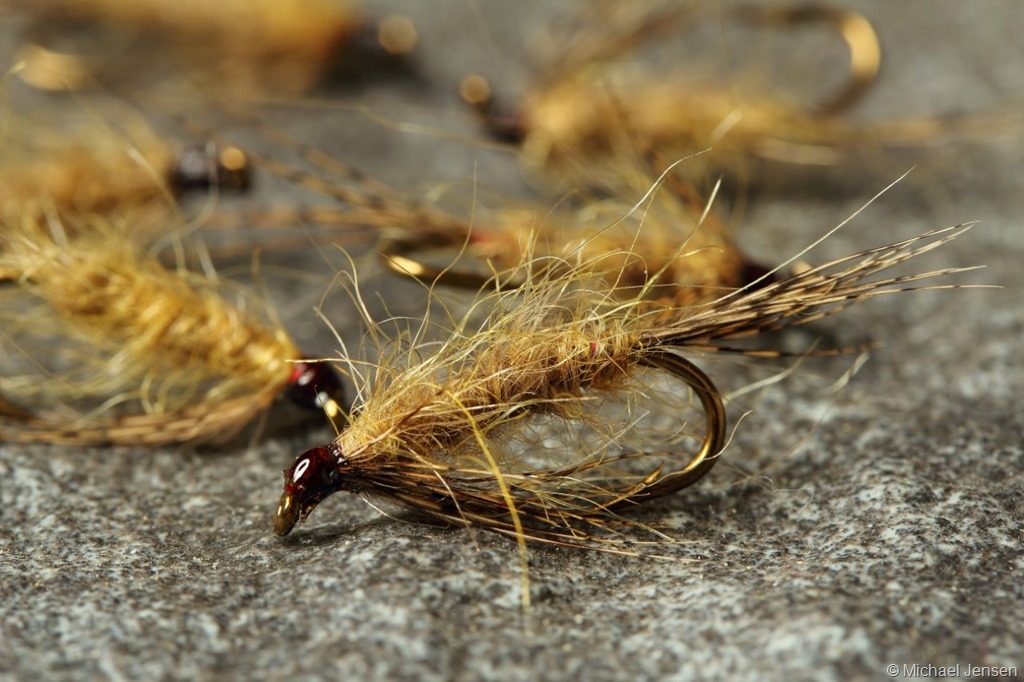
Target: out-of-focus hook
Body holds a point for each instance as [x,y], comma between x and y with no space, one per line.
[856,31]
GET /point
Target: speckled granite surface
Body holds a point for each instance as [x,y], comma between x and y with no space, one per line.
[887,528]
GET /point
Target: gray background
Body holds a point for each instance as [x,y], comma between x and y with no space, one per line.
[885,526]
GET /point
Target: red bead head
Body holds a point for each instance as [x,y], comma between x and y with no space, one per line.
[312,477]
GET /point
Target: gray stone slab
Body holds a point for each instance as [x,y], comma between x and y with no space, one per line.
[884,527]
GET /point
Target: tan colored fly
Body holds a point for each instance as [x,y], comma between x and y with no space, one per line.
[444,431]
[92,167]
[245,47]
[129,351]
[594,96]
[673,236]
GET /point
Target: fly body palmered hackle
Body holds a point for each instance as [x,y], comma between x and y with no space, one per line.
[129,350]
[663,246]
[446,420]
[673,236]
[242,47]
[602,84]
[438,435]
[92,162]
[612,78]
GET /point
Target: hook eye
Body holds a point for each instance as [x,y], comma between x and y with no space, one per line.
[503,122]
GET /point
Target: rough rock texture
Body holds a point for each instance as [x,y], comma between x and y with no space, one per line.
[886,525]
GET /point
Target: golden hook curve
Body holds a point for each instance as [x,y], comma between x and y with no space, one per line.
[856,31]
[54,58]
[854,28]
[398,252]
[714,439]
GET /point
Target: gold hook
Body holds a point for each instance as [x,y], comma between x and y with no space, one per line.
[57,56]
[397,253]
[856,31]
[714,438]
[854,28]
